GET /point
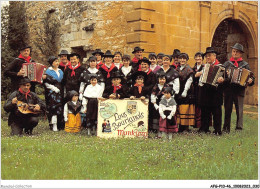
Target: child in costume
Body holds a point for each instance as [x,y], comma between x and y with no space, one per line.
[138,90]
[90,102]
[72,113]
[156,96]
[167,109]
[116,89]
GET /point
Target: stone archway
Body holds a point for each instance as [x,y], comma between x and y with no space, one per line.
[229,32]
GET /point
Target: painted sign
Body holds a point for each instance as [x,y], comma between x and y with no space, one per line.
[122,118]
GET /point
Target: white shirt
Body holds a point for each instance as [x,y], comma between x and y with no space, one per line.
[92,70]
[91,92]
[126,70]
[117,65]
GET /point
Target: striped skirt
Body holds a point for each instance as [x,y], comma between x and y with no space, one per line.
[73,125]
[186,115]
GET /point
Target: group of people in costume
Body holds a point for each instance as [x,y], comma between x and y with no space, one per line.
[177,100]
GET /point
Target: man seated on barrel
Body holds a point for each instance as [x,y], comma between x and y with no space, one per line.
[24,107]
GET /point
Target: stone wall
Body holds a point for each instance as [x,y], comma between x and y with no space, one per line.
[156,26]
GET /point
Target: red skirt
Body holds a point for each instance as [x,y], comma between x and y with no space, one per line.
[165,126]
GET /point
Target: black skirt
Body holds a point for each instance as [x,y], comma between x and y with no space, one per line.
[92,108]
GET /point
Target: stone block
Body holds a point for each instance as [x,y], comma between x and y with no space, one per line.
[74,27]
[150,5]
[133,37]
[133,16]
[101,33]
[67,22]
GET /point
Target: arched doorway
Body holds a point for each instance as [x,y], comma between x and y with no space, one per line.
[228,33]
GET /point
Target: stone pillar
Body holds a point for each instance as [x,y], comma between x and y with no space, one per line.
[205,15]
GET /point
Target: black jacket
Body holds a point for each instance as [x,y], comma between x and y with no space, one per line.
[72,82]
[230,88]
[11,71]
[123,91]
[32,98]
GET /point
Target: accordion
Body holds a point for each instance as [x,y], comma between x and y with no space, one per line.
[239,76]
[34,71]
[210,75]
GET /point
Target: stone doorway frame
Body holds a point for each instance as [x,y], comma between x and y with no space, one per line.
[252,41]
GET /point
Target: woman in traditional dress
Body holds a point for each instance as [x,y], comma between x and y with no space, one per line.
[108,67]
[185,99]
[126,71]
[172,76]
[85,76]
[154,67]
[53,96]
[118,59]
[197,68]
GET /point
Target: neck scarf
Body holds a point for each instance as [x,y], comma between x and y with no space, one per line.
[140,87]
[26,59]
[25,93]
[108,70]
[73,72]
[116,87]
[65,66]
[99,64]
[233,60]
[216,62]
[174,65]
[135,60]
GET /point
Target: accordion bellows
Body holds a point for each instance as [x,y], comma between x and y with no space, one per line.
[34,71]
[210,74]
[239,76]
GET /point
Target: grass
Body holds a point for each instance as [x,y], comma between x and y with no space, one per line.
[60,155]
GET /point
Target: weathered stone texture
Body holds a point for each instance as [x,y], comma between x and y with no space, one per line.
[156,26]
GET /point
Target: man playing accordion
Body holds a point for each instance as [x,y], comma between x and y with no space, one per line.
[234,93]
[211,97]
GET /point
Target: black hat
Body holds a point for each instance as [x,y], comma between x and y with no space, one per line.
[199,53]
[52,59]
[74,54]
[145,60]
[239,47]
[169,90]
[126,57]
[185,55]
[137,74]
[210,50]
[92,58]
[108,54]
[169,56]
[97,51]
[160,55]
[64,52]
[24,81]
[176,53]
[25,47]
[93,75]
[152,55]
[116,74]
[137,49]
[70,94]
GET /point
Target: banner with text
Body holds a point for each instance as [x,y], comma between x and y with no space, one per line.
[122,118]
